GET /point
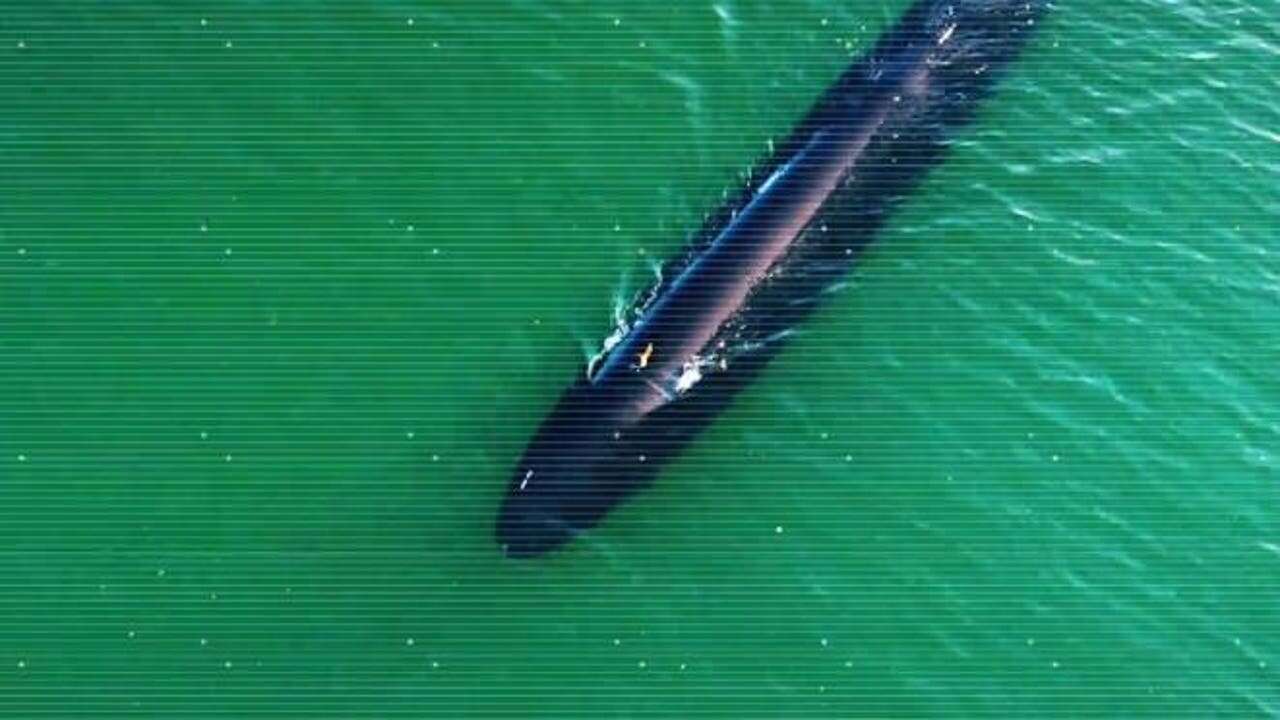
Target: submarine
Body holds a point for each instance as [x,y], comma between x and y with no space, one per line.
[759,265]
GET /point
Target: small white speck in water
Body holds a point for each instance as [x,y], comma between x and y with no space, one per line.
[778,530]
[683,666]
[848,663]
[227,45]
[22,45]
[824,642]
[408,641]
[227,251]
[22,664]
[409,435]
[22,458]
[617,22]
[1031,642]
[527,476]
[1055,665]
[435,665]
[1055,458]
[408,228]
[204,22]
[435,458]
[227,457]
[617,642]
[642,664]
[435,44]
[435,251]
[848,458]
[204,227]
[160,572]
[409,22]
[227,664]
[132,635]
[204,642]
[643,458]
[22,251]
[825,22]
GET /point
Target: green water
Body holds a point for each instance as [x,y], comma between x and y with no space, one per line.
[285,287]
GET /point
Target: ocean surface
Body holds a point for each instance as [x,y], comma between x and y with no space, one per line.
[285,287]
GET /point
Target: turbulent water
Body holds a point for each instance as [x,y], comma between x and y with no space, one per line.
[284,289]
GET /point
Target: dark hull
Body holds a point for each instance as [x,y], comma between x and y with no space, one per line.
[760,265]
